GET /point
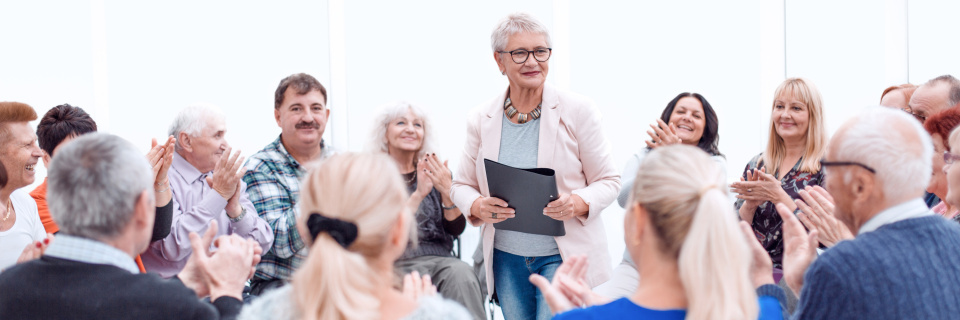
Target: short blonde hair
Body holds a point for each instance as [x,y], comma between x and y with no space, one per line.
[362,188]
[816,133]
[513,24]
[683,192]
[393,110]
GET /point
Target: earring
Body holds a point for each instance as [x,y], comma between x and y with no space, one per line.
[503,72]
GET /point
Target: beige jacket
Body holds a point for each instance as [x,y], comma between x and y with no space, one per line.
[572,143]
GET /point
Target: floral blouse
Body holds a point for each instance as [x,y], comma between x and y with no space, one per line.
[766,221]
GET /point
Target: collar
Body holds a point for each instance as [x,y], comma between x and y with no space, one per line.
[550,99]
[186,170]
[325,151]
[908,210]
[90,251]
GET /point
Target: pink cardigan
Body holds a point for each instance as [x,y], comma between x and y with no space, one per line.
[572,143]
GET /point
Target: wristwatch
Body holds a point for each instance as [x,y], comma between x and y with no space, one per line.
[243,212]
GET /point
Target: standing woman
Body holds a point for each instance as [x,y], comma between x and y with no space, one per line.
[532,124]
[688,119]
[404,132]
[790,163]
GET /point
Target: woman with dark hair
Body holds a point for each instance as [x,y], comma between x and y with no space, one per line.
[688,119]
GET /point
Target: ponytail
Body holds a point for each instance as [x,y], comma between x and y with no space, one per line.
[715,263]
[327,292]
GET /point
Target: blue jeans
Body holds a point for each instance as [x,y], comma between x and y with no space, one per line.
[520,299]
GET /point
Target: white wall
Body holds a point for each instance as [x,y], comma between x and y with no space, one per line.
[134,65]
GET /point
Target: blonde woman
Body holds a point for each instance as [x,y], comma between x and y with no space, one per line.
[353,209]
[790,163]
[696,260]
[403,131]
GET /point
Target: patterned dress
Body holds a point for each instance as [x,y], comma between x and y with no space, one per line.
[766,221]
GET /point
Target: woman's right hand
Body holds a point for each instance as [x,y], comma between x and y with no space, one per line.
[742,190]
[491,210]
[662,134]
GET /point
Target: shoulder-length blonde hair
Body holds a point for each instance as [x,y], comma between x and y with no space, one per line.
[683,192]
[391,111]
[362,188]
[816,133]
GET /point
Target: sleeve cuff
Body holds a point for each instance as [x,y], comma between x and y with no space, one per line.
[229,307]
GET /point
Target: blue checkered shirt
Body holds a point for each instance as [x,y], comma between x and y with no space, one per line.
[273,185]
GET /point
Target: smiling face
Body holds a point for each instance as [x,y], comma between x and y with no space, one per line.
[405,133]
[19,154]
[688,117]
[302,118]
[952,172]
[790,117]
[206,148]
[530,74]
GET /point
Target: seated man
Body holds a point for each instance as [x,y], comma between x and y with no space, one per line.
[904,260]
[101,195]
[20,224]
[273,176]
[206,185]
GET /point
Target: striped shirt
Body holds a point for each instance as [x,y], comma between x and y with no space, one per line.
[90,251]
[273,185]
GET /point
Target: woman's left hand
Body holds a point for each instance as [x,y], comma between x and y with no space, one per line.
[766,188]
[416,286]
[438,173]
[566,207]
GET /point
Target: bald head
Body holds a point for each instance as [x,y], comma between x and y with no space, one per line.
[893,144]
[937,94]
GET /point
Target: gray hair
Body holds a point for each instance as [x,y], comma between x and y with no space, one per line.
[954,85]
[892,143]
[513,24]
[193,119]
[391,111]
[94,184]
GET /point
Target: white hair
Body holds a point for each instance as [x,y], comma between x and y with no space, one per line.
[513,24]
[193,119]
[391,111]
[94,185]
[892,143]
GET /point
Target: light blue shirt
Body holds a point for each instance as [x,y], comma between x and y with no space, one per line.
[90,251]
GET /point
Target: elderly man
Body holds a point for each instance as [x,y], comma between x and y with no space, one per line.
[101,195]
[205,181]
[903,261]
[273,174]
[20,224]
[937,94]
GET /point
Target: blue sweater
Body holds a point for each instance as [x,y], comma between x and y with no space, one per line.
[904,270]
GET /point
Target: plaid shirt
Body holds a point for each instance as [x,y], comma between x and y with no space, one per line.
[273,185]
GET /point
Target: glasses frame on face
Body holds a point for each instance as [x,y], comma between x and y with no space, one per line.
[950,158]
[824,164]
[515,54]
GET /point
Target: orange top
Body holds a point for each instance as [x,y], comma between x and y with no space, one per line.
[40,196]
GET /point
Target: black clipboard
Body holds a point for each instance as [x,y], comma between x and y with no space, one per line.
[527,191]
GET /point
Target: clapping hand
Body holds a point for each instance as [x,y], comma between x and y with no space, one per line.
[416,286]
[817,214]
[569,288]
[799,248]
[662,134]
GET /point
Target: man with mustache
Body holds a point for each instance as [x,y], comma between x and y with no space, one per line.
[273,174]
[205,181]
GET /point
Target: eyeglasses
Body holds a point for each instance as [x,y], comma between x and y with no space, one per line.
[521,55]
[950,158]
[846,163]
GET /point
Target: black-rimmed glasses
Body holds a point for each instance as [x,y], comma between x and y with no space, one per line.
[950,158]
[520,55]
[845,163]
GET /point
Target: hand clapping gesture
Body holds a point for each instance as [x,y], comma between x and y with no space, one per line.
[817,214]
[662,134]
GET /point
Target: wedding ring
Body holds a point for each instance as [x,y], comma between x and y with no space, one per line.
[493,215]
[749,190]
